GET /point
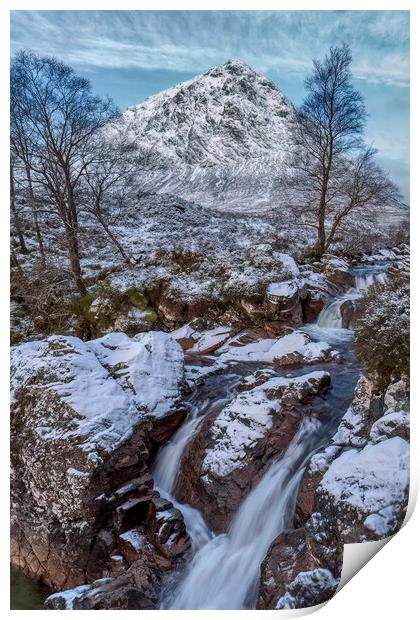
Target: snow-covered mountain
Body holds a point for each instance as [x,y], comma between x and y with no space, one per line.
[222,140]
[219,139]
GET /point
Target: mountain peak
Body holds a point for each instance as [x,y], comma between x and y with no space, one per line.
[229,115]
[232,66]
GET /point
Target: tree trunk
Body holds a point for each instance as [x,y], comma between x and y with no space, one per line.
[16,218]
[14,261]
[319,248]
[326,171]
[35,215]
[74,257]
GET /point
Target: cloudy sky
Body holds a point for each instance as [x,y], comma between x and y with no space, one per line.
[133,54]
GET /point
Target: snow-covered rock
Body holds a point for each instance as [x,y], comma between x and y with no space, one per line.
[338,271]
[284,294]
[232,447]
[397,396]
[293,349]
[392,424]
[84,417]
[104,386]
[364,493]
[295,573]
[354,427]
[309,588]
[210,340]
[239,426]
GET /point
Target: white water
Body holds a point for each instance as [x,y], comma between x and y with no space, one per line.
[364,280]
[168,461]
[224,573]
[330,317]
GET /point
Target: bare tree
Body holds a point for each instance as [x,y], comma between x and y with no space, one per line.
[108,185]
[20,150]
[14,210]
[59,115]
[364,185]
[332,173]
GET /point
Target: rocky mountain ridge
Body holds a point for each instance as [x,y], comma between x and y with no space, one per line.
[220,139]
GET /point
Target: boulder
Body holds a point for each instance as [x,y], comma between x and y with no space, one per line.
[84,418]
[232,448]
[355,425]
[392,424]
[397,396]
[316,293]
[348,313]
[295,573]
[364,493]
[309,588]
[294,349]
[338,271]
[137,588]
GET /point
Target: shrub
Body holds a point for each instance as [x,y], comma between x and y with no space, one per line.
[382,331]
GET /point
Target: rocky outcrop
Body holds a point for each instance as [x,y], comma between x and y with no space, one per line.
[294,573]
[232,448]
[354,490]
[348,313]
[294,349]
[338,271]
[316,293]
[85,416]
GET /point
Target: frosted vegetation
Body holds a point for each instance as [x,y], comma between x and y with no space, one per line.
[173,196]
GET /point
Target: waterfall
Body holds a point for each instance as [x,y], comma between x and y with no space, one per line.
[166,468]
[330,316]
[224,573]
[169,457]
[365,279]
[168,460]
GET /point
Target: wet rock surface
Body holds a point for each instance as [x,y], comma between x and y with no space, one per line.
[232,448]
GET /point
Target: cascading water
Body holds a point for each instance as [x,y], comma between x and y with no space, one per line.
[165,470]
[167,463]
[330,317]
[365,279]
[224,573]
[225,569]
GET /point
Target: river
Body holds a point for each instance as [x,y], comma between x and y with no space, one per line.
[224,570]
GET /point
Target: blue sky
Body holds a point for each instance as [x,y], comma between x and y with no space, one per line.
[133,54]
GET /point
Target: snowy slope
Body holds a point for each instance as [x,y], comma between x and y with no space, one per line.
[220,139]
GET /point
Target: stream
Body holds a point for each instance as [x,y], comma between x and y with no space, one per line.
[224,570]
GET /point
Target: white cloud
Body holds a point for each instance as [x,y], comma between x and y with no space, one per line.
[193,41]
